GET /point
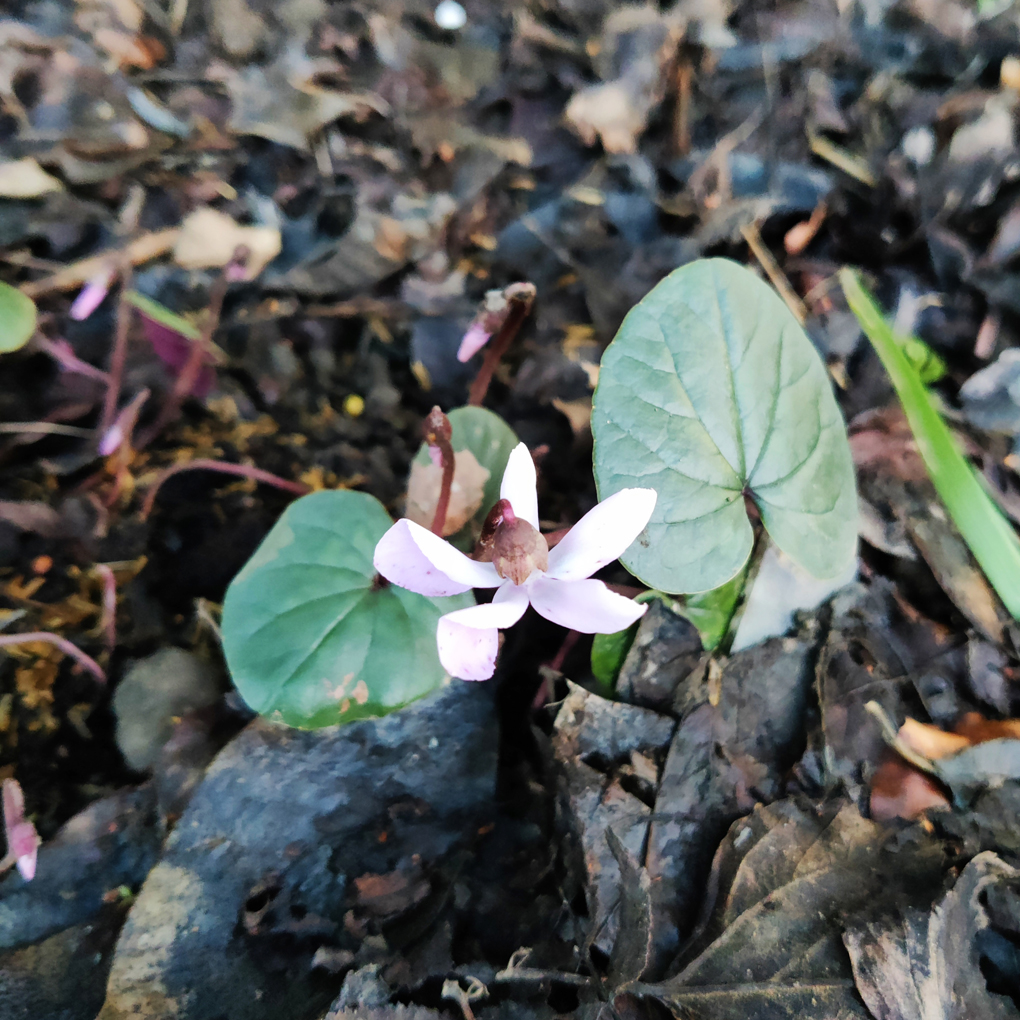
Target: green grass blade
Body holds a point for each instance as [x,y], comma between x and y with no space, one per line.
[986,531]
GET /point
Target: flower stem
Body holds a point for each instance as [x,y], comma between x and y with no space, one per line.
[520,296]
[6,640]
[206,464]
[438,433]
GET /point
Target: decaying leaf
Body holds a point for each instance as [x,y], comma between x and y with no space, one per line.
[784,881]
[209,238]
[638,45]
[466,492]
[931,966]
[24,178]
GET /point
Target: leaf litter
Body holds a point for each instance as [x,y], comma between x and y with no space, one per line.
[734,835]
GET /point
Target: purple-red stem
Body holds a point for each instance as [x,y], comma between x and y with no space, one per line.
[62,643]
[197,353]
[438,433]
[204,464]
[520,306]
[119,352]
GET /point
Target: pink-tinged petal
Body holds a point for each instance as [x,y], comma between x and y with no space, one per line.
[90,297]
[468,639]
[436,456]
[601,535]
[26,865]
[474,340]
[416,559]
[586,606]
[14,805]
[22,840]
[466,652]
[520,484]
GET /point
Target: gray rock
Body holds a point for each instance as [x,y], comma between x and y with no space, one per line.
[293,819]
[113,842]
[155,691]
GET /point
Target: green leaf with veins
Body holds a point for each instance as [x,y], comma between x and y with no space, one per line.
[309,637]
[17,318]
[710,391]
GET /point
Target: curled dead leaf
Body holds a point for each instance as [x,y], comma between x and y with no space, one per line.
[208,239]
[466,493]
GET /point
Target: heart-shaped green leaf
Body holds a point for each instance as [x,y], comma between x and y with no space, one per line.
[309,636]
[490,440]
[17,318]
[711,390]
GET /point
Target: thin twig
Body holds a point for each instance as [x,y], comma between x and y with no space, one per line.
[204,464]
[141,249]
[775,274]
[520,301]
[63,644]
[118,355]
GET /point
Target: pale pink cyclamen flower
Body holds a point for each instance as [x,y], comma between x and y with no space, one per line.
[524,570]
[22,839]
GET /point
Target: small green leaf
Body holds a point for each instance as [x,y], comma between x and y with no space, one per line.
[712,390]
[491,440]
[607,654]
[609,650]
[712,611]
[309,637]
[930,365]
[161,314]
[986,531]
[17,318]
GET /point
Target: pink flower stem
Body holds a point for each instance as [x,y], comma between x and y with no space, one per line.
[119,352]
[62,643]
[108,622]
[204,464]
[520,306]
[438,433]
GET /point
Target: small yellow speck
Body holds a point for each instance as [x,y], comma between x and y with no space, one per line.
[354,405]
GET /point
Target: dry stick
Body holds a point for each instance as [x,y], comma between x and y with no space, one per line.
[119,352]
[438,432]
[775,274]
[520,305]
[205,464]
[62,643]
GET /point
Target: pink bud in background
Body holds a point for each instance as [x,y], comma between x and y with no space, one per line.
[474,340]
[90,297]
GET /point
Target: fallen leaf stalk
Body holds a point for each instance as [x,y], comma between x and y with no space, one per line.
[205,464]
[67,647]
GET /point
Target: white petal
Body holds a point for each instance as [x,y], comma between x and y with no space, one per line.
[466,652]
[468,639]
[586,606]
[520,485]
[602,535]
[416,559]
